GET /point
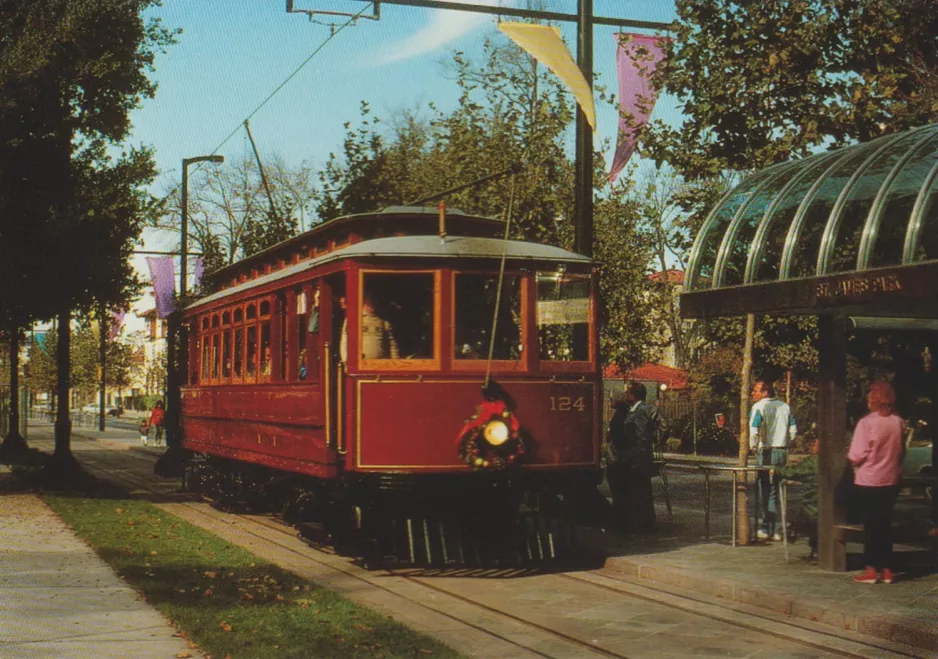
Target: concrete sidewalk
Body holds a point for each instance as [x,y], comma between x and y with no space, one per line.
[759,574]
[59,600]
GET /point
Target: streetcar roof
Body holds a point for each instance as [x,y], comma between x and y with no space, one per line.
[410,247]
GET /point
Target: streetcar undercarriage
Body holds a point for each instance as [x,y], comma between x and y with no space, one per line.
[438,520]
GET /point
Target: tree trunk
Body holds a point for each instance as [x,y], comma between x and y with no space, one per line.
[14,443]
[742,498]
[63,424]
[102,355]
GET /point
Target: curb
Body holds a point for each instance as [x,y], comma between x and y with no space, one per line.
[891,628]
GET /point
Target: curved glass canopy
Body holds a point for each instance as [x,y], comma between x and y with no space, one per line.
[866,206]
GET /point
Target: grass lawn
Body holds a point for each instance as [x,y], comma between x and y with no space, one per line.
[229,602]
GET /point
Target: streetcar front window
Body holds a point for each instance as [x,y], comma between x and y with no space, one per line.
[475,302]
[563,306]
[396,319]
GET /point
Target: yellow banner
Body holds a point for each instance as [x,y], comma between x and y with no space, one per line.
[544,44]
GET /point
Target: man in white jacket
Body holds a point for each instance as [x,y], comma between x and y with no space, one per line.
[771,430]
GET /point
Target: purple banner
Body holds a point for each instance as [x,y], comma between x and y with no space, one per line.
[163,275]
[637,59]
[117,321]
[199,271]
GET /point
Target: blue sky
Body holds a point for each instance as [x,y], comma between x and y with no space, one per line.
[232,55]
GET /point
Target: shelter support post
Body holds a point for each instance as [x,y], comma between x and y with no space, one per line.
[832,420]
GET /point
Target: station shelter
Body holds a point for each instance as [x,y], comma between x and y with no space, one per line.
[848,235]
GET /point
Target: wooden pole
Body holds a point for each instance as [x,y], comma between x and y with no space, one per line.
[742,495]
[832,422]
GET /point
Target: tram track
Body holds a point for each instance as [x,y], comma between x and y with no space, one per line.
[433,591]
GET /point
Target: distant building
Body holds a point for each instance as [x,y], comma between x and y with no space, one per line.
[151,374]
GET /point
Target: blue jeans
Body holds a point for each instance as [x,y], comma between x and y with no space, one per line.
[768,487]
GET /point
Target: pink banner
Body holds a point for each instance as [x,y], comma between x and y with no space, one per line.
[637,59]
[199,271]
[163,275]
[117,321]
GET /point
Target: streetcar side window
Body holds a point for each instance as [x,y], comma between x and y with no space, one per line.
[563,306]
[205,358]
[475,300]
[238,351]
[215,356]
[251,350]
[397,316]
[226,354]
[265,353]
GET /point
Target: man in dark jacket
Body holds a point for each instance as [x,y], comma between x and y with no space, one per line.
[633,432]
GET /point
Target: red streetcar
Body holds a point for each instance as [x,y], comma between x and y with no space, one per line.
[403,372]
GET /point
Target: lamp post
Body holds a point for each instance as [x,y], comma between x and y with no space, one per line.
[170,463]
[184,225]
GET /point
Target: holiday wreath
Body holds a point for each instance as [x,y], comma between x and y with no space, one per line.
[491,438]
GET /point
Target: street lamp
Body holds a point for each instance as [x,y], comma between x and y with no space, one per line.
[170,463]
[184,225]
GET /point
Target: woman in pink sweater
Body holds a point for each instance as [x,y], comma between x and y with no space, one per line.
[876,453]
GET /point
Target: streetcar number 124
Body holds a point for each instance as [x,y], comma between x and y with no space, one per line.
[566,403]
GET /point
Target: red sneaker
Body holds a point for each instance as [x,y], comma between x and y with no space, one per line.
[869,576]
[888,576]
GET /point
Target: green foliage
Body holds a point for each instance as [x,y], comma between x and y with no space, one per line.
[65,197]
[761,82]
[85,350]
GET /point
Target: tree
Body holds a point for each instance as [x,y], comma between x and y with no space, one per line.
[70,73]
[510,111]
[230,216]
[761,82]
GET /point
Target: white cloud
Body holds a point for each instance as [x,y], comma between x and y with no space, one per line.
[445,27]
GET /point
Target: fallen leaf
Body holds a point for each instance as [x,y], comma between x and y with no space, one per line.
[130,522]
[225,627]
[280,598]
[208,592]
[364,628]
[210,574]
[183,655]
[153,553]
[119,511]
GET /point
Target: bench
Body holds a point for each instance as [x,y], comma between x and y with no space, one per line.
[905,531]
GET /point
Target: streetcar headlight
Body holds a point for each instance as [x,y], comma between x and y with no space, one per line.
[495,432]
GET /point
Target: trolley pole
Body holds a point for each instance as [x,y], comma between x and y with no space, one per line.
[583,199]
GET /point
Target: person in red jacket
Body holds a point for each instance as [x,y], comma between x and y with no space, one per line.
[156,421]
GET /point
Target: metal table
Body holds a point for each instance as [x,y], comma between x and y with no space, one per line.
[735,470]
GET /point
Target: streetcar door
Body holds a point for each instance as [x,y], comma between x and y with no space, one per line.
[334,352]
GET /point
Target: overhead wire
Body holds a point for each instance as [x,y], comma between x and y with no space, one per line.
[283,84]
